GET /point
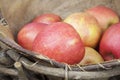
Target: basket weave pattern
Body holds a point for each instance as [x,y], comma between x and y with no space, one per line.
[16,61]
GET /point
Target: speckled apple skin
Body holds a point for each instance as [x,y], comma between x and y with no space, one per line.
[61,42]
[110,43]
[105,16]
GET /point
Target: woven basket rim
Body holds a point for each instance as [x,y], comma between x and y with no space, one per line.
[63,72]
[107,65]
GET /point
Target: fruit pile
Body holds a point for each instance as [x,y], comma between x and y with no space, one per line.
[88,37]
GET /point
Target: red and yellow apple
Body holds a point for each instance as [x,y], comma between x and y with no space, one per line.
[47,18]
[110,43]
[105,16]
[91,57]
[87,27]
[61,42]
[28,33]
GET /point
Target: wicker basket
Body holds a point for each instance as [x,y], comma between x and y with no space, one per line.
[18,63]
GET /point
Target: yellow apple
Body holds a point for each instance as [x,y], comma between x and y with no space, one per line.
[87,27]
[91,57]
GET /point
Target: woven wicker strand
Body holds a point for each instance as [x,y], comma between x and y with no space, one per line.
[21,73]
[66,72]
[27,53]
[60,72]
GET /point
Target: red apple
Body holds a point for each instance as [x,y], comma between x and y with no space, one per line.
[105,16]
[87,27]
[61,42]
[47,18]
[110,43]
[28,33]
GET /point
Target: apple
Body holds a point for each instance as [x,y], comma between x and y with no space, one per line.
[28,33]
[105,16]
[110,43]
[47,18]
[91,57]
[87,27]
[61,42]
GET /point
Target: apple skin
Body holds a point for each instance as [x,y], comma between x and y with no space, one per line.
[28,33]
[47,18]
[61,42]
[91,57]
[87,27]
[105,16]
[110,43]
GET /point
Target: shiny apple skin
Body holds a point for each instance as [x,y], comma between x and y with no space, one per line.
[60,42]
[87,27]
[28,33]
[110,43]
[106,16]
[47,18]
[91,57]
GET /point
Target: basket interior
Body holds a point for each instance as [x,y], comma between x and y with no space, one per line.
[19,13]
